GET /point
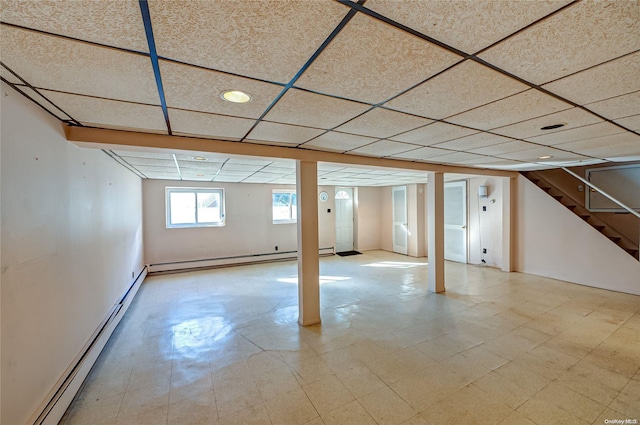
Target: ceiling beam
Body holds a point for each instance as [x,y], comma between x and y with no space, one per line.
[99,138]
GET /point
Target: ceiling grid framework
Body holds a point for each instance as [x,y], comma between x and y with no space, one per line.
[467,83]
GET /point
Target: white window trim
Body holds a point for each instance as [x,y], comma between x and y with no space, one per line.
[196,190]
[287,221]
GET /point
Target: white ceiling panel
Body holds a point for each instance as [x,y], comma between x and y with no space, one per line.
[504,148]
[4,73]
[35,95]
[246,168]
[572,118]
[533,155]
[433,133]
[618,107]
[209,125]
[271,40]
[632,123]
[112,23]
[456,157]
[422,153]
[156,162]
[596,31]
[382,123]
[520,107]
[314,110]
[466,86]
[338,142]
[70,66]
[282,134]
[143,154]
[613,78]
[378,70]
[197,89]
[383,148]
[144,169]
[609,147]
[473,141]
[163,176]
[586,132]
[106,113]
[485,21]
[243,160]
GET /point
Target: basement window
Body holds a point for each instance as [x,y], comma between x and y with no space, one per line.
[194,207]
[284,206]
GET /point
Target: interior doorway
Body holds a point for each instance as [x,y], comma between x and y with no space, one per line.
[400,235]
[344,219]
[455,221]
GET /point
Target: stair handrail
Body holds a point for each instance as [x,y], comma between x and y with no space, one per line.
[596,188]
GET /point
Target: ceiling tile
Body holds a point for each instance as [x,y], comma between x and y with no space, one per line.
[465,86]
[270,39]
[456,157]
[477,140]
[478,161]
[583,35]
[433,133]
[313,110]
[35,95]
[143,154]
[163,176]
[580,133]
[338,142]
[244,168]
[613,79]
[422,153]
[382,123]
[504,148]
[378,69]
[113,23]
[520,107]
[197,89]
[485,21]
[70,66]
[609,147]
[572,118]
[617,107]
[109,113]
[244,160]
[383,148]
[156,162]
[200,165]
[4,73]
[632,123]
[144,169]
[282,133]
[208,125]
[533,155]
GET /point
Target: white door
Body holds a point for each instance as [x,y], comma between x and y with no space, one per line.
[455,221]
[400,219]
[344,219]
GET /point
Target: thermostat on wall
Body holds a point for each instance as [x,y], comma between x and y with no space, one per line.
[324,196]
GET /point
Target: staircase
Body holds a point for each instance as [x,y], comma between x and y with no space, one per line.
[591,218]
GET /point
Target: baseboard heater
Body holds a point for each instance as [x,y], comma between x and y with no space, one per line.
[228,261]
[61,396]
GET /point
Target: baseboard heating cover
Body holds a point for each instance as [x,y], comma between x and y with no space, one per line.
[232,260]
[61,396]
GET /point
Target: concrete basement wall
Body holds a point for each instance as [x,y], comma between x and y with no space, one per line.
[554,242]
[71,238]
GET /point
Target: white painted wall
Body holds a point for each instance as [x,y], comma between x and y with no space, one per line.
[248,230]
[71,238]
[554,242]
[417,220]
[485,226]
[369,218]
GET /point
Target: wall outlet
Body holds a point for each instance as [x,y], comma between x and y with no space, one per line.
[276,247]
[484,250]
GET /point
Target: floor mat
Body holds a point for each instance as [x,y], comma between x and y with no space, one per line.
[348,253]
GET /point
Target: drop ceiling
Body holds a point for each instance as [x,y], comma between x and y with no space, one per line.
[466,83]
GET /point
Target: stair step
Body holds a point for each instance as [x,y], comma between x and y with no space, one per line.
[599,228]
[558,197]
[535,181]
[571,207]
[546,189]
[632,252]
[584,217]
[614,238]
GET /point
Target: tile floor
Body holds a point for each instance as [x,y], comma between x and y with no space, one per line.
[224,347]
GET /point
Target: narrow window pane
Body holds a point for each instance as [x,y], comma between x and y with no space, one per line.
[294,207]
[183,208]
[281,206]
[209,208]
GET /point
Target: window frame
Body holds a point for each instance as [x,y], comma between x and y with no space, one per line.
[292,218]
[195,191]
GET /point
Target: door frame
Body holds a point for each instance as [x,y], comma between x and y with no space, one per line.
[465,198]
[405,223]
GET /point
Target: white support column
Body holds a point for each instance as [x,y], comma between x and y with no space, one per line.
[509,201]
[435,224]
[308,248]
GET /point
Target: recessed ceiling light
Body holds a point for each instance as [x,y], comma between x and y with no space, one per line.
[199,158]
[553,126]
[200,175]
[545,157]
[236,96]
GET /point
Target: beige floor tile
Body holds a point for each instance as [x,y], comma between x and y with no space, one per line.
[608,415]
[328,394]
[94,410]
[292,408]
[516,418]
[310,369]
[540,413]
[594,382]
[468,405]
[251,415]
[199,410]
[628,401]
[360,380]
[157,416]
[416,420]
[508,392]
[386,407]
[520,373]
[445,346]
[352,413]
[275,382]
[570,401]
[142,400]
